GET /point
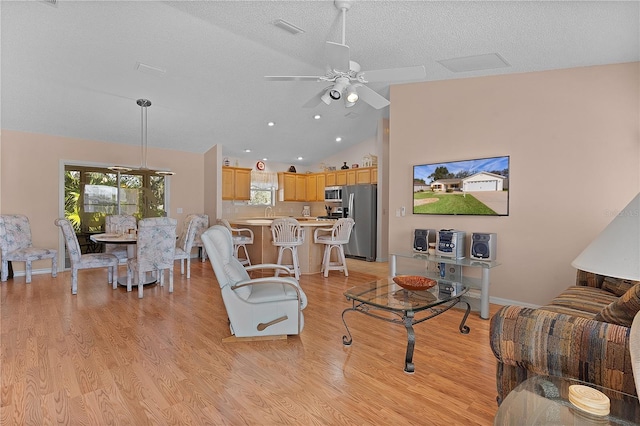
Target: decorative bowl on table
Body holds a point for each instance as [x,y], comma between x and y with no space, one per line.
[414,282]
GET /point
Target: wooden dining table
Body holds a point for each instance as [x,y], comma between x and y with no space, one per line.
[130,240]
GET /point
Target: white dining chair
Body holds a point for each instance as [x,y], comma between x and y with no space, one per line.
[334,238]
[193,225]
[287,234]
[155,252]
[86,261]
[118,223]
[16,246]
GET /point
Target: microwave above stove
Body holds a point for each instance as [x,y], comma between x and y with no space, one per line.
[333,194]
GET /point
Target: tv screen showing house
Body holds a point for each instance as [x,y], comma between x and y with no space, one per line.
[468,187]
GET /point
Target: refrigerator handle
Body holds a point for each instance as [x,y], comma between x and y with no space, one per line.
[351,204]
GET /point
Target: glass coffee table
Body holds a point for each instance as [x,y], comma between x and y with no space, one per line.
[544,401]
[386,300]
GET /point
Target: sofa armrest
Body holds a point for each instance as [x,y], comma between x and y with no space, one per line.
[549,343]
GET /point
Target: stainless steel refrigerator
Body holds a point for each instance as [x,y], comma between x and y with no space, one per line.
[359,202]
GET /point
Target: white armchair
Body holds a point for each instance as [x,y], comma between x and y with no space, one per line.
[267,306]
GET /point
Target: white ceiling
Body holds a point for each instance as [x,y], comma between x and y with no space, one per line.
[70,69]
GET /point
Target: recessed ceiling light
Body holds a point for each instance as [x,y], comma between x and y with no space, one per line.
[338,139]
[317,117]
[299,158]
[247,150]
[264,159]
[271,124]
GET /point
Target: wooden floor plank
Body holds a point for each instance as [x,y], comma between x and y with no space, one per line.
[104,356]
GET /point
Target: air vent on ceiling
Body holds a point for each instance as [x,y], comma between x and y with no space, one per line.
[287,26]
[51,2]
[487,61]
[148,69]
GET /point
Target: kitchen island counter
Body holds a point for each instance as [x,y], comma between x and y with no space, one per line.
[263,251]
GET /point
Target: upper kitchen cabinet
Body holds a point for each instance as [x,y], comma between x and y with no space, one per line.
[287,186]
[316,183]
[301,187]
[330,179]
[236,183]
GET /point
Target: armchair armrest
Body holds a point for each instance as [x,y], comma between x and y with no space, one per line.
[268,266]
[269,280]
[549,343]
[317,230]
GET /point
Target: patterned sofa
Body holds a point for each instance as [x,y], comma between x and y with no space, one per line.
[583,334]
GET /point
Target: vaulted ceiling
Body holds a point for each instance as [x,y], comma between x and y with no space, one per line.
[76,68]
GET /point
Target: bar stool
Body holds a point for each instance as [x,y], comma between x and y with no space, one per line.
[334,238]
[287,235]
[241,237]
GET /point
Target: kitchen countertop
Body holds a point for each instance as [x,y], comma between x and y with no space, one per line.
[262,250]
[263,221]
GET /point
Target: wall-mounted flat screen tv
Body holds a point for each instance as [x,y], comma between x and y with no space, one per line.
[469,187]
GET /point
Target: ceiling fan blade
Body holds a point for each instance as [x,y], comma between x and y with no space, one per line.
[338,56]
[292,78]
[315,101]
[372,97]
[393,74]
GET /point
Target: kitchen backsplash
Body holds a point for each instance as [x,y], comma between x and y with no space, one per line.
[282,208]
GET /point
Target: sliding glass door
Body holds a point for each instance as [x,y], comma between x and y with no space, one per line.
[91,193]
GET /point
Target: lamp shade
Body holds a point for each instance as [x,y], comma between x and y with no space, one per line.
[615,252]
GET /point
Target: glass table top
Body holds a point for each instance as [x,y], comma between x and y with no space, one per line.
[386,294]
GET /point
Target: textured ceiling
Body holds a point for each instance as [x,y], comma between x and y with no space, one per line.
[70,69]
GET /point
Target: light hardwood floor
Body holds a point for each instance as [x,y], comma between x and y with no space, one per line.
[105,357]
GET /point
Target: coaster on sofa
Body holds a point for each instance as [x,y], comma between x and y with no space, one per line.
[622,311]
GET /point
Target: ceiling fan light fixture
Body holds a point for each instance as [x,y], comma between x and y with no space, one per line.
[338,88]
[352,95]
[326,98]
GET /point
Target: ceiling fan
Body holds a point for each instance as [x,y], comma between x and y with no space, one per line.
[347,79]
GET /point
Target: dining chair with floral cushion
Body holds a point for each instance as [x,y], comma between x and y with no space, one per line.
[16,246]
[113,224]
[155,252]
[193,225]
[197,240]
[86,261]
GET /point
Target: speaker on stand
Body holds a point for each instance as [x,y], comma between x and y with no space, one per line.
[422,238]
[483,246]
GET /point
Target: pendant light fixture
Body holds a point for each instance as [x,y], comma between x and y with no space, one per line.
[144,104]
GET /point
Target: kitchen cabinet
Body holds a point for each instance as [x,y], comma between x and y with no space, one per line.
[351,177]
[320,185]
[316,183]
[363,175]
[330,179]
[287,186]
[301,188]
[341,178]
[236,183]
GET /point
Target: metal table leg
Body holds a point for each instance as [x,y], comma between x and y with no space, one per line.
[411,342]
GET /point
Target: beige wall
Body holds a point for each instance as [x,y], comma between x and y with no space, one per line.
[31,165]
[573,139]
